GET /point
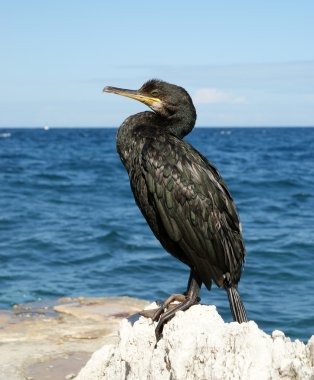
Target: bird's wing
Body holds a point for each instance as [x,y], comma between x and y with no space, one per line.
[194,205]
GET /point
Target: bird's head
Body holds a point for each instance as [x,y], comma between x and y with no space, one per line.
[167,100]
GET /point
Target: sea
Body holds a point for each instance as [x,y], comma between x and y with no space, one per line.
[69,225]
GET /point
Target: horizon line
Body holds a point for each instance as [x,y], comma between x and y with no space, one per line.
[116,127]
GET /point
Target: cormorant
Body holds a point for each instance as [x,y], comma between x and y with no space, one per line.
[182,196]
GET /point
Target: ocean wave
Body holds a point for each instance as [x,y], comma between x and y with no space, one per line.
[5,135]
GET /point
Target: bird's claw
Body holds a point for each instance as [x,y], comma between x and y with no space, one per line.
[150,313]
[156,313]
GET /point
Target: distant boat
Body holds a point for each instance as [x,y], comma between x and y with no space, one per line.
[46,128]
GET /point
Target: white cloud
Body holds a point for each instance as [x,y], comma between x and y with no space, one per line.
[215,96]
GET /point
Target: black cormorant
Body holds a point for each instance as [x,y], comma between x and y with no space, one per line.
[182,196]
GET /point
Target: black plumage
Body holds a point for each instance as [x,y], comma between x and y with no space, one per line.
[181,195]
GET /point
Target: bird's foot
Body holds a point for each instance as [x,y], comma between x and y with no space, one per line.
[172,309]
[168,309]
[167,305]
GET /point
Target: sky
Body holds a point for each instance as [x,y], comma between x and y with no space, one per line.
[245,63]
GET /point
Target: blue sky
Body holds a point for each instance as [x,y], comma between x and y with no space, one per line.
[245,63]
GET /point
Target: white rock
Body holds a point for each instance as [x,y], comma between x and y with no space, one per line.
[197,344]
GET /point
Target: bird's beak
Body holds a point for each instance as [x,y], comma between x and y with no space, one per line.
[134,94]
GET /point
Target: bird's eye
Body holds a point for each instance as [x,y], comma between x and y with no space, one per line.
[155,92]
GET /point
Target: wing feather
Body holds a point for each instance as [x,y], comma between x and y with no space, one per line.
[194,206]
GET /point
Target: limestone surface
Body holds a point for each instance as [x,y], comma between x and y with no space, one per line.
[52,340]
[197,344]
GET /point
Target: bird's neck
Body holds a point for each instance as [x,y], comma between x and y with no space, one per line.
[148,124]
[181,123]
[128,133]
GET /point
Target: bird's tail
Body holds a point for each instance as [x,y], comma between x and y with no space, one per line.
[236,304]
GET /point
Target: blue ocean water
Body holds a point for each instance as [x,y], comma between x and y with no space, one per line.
[69,225]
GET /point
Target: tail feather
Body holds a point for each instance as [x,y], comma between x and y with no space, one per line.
[236,305]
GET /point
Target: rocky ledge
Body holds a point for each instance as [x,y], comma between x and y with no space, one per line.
[197,344]
[52,340]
